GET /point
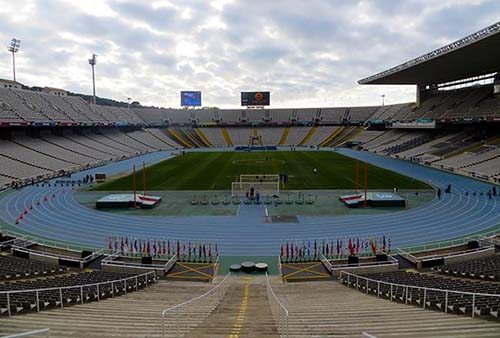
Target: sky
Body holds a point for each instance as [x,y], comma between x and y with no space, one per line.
[306,53]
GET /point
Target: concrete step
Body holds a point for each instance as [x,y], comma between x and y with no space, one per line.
[244,312]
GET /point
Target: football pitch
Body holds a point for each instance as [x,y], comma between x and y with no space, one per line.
[216,171]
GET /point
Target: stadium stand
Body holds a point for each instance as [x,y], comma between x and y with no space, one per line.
[486,268]
[458,303]
[214,135]
[21,302]
[270,136]
[240,136]
[14,268]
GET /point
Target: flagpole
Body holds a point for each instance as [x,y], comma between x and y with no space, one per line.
[135,190]
[366,183]
[144,177]
[357,176]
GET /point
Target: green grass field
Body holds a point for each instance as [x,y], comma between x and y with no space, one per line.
[216,171]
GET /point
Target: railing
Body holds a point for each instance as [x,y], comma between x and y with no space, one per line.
[83,260]
[123,281]
[197,308]
[445,244]
[415,259]
[279,311]
[111,260]
[44,332]
[428,293]
[51,243]
[326,263]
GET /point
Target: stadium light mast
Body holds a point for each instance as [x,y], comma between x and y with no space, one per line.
[128,101]
[383,99]
[14,48]
[92,63]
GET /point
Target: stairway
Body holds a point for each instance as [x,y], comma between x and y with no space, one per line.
[328,309]
[226,136]
[332,136]
[244,312]
[171,132]
[137,314]
[203,137]
[284,136]
[309,134]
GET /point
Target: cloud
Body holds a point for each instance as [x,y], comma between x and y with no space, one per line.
[307,53]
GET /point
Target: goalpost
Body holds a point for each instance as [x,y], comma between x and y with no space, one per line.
[265,184]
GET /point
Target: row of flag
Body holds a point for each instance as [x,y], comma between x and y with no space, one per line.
[293,250]
[185,250]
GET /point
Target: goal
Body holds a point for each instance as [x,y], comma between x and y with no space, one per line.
[265,184]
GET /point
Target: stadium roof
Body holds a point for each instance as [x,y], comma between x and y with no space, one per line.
[474,55]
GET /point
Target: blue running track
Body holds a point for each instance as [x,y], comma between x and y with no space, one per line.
[61,218]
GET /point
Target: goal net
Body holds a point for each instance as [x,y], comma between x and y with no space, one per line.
[265,185]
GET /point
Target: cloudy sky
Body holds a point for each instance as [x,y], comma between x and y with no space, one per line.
[307,53]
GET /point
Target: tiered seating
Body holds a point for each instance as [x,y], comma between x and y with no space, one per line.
[240,136]
[327,309]
[320,135]
[367,135]
[296,135]
[416,152]
[31,156]
[270,136]
[42,104]
[146,138]
[360,114]
[469,159]
[84,108]
[485,169]
[332,115]
[101,142]
[395,112]
[20,169]
[27,301]
[436,300]
[406,142]
[153,116]
[14,267]
[163,137]
[487,268]
[137,314]
[214,135]
[123,139]
[7,113]
[26,111]
[66,107]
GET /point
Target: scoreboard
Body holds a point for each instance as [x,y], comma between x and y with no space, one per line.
[255,98]
[190,99]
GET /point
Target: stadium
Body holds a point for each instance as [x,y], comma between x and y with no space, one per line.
[121,220]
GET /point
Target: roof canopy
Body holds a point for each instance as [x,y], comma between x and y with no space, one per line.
[474,55]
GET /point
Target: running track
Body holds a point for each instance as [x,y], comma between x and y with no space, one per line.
[61,218]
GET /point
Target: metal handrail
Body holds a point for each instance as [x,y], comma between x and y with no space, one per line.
[45,331]
[282,310]
[176,308]
[67,257]
[81,286]
[51,243]
[407,287]
[450,243]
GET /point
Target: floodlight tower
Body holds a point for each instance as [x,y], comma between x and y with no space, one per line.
[92,63]
[14,48]
[383,99]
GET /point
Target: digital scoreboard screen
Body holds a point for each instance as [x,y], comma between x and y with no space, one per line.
[255,98]
[190,99]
